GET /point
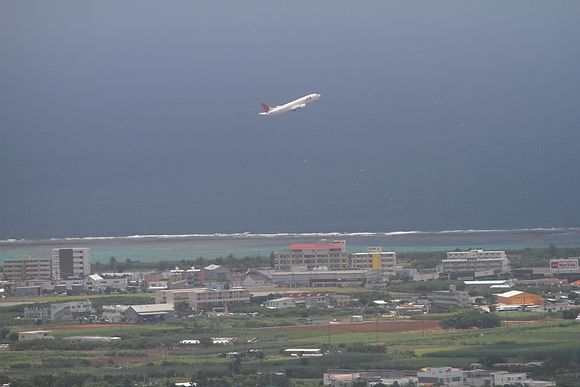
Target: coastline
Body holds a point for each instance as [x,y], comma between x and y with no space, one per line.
[192,246]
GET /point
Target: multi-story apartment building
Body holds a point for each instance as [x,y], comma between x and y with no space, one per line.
[331,255]
[203,298]
[27,268]
[71,263]
[475,260]
[376,258]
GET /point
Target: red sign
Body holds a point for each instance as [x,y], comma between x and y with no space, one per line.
[564,264]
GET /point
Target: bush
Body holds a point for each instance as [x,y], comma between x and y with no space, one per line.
[472,318]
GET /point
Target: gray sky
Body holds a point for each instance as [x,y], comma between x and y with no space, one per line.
[445,93]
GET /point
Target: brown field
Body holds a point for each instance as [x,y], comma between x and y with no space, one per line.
[371,326]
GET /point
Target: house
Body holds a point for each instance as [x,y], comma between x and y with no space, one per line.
[250,280]
[149,313]
[33,335]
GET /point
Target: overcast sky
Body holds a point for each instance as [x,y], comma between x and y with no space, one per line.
[473,91]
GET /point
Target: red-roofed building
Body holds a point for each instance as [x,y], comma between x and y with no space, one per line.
[330,255]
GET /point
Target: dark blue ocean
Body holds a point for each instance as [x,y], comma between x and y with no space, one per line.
[186,205]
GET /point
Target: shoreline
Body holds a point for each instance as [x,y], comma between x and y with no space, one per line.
[178,247]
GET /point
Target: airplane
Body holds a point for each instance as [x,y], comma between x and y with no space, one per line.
[296,104]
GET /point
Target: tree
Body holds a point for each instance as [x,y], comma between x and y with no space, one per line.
[552,250]
[113,263]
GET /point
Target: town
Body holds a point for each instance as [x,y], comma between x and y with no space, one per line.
[316,314]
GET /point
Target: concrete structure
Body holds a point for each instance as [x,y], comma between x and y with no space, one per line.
[203,298]
[71,263]
[192,278]
[69,311]
[28,291]
[216,273]
[495,378]
[447,375]
[96,283]
[451,297]
[309,299]
[37,313]
[327,278]
[33,335]
[515,297]
[114,313]
[474,261]
[27,268]
[331,255]
[150,313]
[279,303]
[375,258]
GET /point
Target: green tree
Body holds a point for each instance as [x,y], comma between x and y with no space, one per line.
[552,250]
[113,263]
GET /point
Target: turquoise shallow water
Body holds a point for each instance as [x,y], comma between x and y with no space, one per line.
[175,248]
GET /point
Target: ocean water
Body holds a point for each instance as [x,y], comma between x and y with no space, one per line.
[148,248]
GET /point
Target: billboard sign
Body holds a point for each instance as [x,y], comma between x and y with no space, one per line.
[564,264]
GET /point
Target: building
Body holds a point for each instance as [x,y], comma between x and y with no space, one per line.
[27,268]
[70,311]
[202,298]
[375,258]
[327,278]
[279,303]
[114,313]
[250,280]
[216,273]
[33,335]
[448,376]
[150,313]
[515,297]
[494,262]
[96,283]
[331,255]
[495,378]
[451,297]
[71,263]
[192,278]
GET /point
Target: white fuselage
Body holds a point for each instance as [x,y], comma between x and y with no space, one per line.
[296,104]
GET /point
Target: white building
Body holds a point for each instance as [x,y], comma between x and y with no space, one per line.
[279,303]
[71,263]
[474,261]
[495,378]
[71,310]
[32,335]
[375,258]
[447,375]
[95,283]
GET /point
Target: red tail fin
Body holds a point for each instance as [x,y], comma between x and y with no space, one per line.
[266,107]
